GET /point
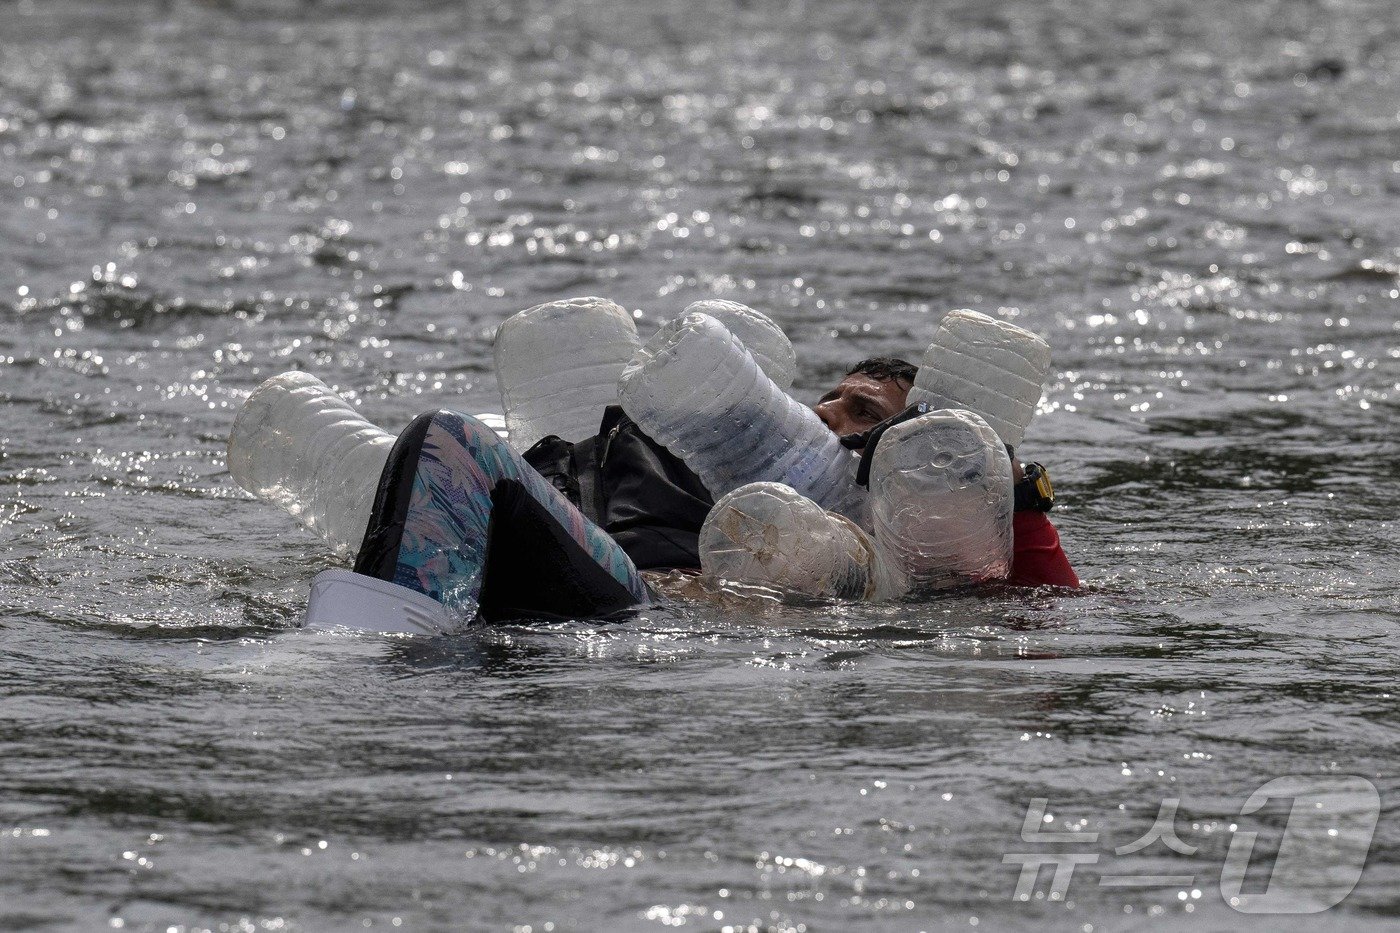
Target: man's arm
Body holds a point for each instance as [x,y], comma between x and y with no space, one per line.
[1037,558]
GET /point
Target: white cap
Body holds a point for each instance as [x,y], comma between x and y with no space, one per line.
[347,600]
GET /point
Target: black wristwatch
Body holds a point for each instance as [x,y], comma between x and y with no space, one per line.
[1034,493]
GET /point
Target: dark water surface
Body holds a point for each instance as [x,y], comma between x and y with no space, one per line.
[1198,203]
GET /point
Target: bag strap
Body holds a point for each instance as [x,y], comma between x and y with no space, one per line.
[868,441]
[585,468]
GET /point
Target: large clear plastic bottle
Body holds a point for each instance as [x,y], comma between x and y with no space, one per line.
[557,367]
[299,446]
[758,333]
[987,366]
[694,388]
[940,504]
[769,534]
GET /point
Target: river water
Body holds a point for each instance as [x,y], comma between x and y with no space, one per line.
[1196,201]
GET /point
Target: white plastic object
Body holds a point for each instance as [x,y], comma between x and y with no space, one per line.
[940,504]
[991,367]
[300,446]
[557,367]
[769,534]
[343,599]
[495,422]
[694,388]
[758,333]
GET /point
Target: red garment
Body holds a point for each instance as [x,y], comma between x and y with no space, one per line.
[1037,558]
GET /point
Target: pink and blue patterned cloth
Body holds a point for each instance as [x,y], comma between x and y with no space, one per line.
[442,552]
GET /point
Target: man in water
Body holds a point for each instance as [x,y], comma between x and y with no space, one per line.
[565,528]
[877,389]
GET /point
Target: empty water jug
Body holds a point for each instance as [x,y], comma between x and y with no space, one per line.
[984,365]
[557,367]
[941,504]
[694,388]
[300,446]
[770,347]
[768,534]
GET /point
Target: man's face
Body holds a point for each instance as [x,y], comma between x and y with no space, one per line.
[859,402]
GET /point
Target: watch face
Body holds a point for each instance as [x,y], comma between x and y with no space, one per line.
[1034,493]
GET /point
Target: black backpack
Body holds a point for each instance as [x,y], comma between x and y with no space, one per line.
[632,487]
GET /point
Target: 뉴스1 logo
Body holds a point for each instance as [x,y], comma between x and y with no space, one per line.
[1319,858]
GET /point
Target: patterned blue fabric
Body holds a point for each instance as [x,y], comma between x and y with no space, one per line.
[443,549]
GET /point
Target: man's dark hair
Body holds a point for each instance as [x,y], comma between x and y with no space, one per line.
[885,368]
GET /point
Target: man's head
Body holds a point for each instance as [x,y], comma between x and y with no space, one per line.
[873,390]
